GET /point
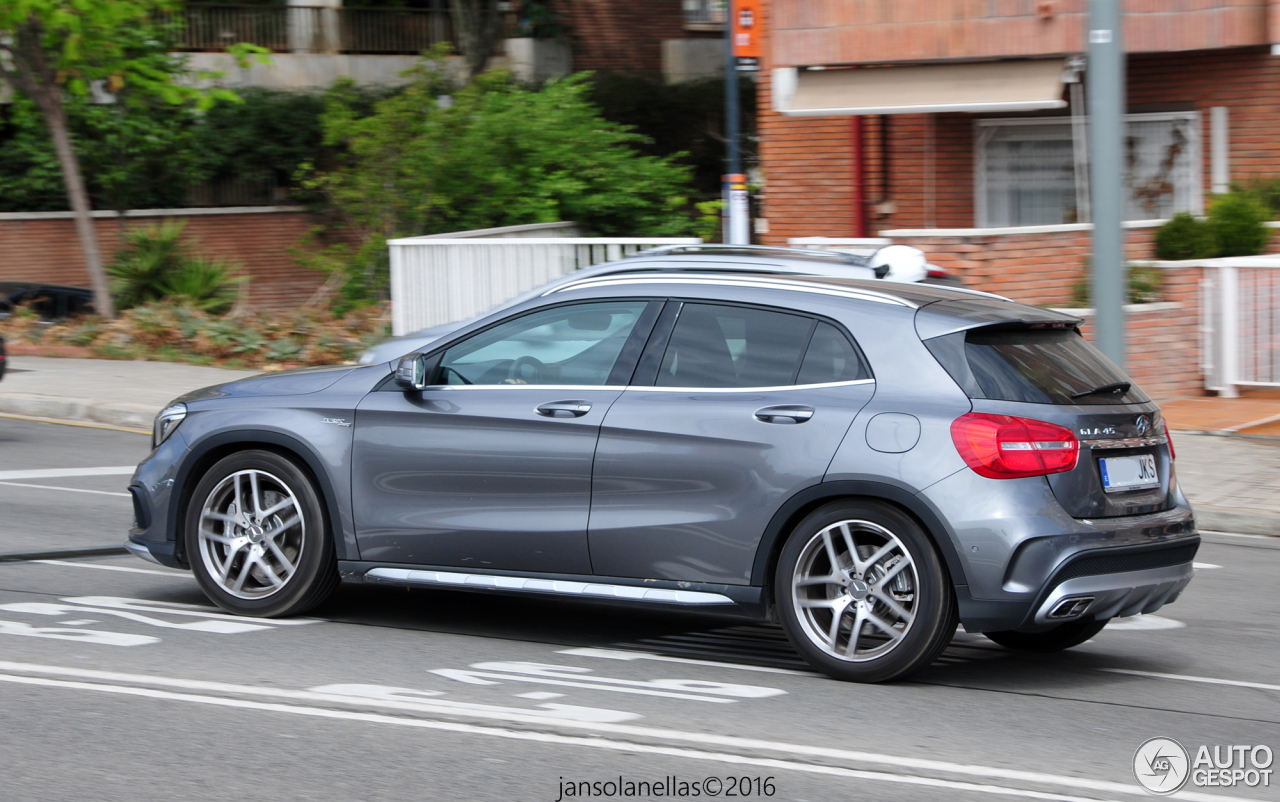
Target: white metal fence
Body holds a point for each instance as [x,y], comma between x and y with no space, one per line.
[1240,323]
[437,280]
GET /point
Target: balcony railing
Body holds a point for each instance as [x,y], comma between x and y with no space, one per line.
[704,12]
[311,29]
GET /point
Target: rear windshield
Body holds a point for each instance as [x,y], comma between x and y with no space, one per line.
[1034,366]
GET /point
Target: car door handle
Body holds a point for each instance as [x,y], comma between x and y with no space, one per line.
[564,409]
[785,413]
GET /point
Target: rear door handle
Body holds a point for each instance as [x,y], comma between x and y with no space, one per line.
[785,413]
[564,409]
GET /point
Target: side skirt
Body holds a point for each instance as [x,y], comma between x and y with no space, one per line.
[727,599]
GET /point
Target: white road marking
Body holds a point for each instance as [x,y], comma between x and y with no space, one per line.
[61,473]
[101,567]
[540,695]
[1204,566]
[632,730]
[67,489]
[178,608]
[574,677]
[78,635]
[1185,678]
[385,693]
[79,623]
[625,654]
[1142,623]
[216,626]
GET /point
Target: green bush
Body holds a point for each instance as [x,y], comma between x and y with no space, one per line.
[1185,237]
[1265,191]
[155,265]
[1146,284]
[1237,220]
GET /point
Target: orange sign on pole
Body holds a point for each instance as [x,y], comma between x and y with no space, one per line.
[747,22]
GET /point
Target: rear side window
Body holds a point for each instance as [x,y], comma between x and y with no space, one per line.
[831,358]
[1034,366]
[733,346]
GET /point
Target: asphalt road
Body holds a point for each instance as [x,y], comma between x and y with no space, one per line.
[119,681]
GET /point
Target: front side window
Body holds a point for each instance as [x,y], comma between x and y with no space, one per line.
[566,345]
[731,346]
[1026,169]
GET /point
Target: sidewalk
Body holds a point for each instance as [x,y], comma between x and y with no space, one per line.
[118,393]
[1233,481]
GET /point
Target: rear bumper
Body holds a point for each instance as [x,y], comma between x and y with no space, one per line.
[1112,595]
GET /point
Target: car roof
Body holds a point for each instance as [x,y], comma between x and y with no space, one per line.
[913,294]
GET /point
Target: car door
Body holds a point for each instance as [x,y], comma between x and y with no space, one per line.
[744,407]
[490,468]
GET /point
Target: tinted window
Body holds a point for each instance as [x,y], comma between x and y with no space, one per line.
[831,358]
[1036,366]
[576,344]
[731,346]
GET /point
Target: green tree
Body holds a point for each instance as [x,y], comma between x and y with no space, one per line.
[496,153]
[52,50]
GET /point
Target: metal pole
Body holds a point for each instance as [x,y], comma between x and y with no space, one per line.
[1106,102]
[735,194]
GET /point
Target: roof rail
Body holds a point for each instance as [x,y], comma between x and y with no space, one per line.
[762,251]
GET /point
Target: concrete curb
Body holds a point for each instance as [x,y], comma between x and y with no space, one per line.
[129,416]
[1241,523]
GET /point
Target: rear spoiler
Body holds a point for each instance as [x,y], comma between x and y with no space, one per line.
[961,314]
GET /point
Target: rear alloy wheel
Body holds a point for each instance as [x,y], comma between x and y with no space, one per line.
[1063,636]
[862,593]
[257,538]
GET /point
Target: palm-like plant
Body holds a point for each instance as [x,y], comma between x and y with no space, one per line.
[156,264]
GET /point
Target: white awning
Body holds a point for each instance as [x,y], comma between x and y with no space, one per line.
[1024,85]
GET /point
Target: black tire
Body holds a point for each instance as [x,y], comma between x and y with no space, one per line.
[315,571]
[1063,636]
[932,599]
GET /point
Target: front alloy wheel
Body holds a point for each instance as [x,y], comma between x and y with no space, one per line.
[257,538]
[862,593]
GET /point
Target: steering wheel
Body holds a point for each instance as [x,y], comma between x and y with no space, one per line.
[515,372]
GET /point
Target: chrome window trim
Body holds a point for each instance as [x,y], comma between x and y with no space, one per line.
[774,389]
[645,387]
[612,281]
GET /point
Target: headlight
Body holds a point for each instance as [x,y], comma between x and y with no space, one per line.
[166,422]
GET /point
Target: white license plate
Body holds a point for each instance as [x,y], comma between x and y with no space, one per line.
[1129,473]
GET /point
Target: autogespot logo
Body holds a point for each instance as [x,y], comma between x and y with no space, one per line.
[1161,766]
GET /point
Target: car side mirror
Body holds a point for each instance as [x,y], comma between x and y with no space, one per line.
[414,371]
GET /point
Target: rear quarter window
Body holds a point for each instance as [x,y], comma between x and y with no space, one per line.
[1030,365]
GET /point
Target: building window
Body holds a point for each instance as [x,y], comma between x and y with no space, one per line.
[1026,173]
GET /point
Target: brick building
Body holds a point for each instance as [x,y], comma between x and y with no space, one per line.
[954,114]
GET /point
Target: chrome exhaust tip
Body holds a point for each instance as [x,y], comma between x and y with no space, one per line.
[1071,607]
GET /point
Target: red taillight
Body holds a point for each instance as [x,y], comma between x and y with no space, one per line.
[936,272]
[1005,447]
[1172,454]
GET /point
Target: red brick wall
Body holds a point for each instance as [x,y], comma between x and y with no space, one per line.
[622,35]
[1039,268]
[1162,348]
[829,32]
[48,250]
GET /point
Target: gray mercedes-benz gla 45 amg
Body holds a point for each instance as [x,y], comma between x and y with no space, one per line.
[865,463]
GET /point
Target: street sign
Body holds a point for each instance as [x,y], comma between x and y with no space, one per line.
[747,24]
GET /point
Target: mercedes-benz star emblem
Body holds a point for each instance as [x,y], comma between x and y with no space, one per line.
[1144,425]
